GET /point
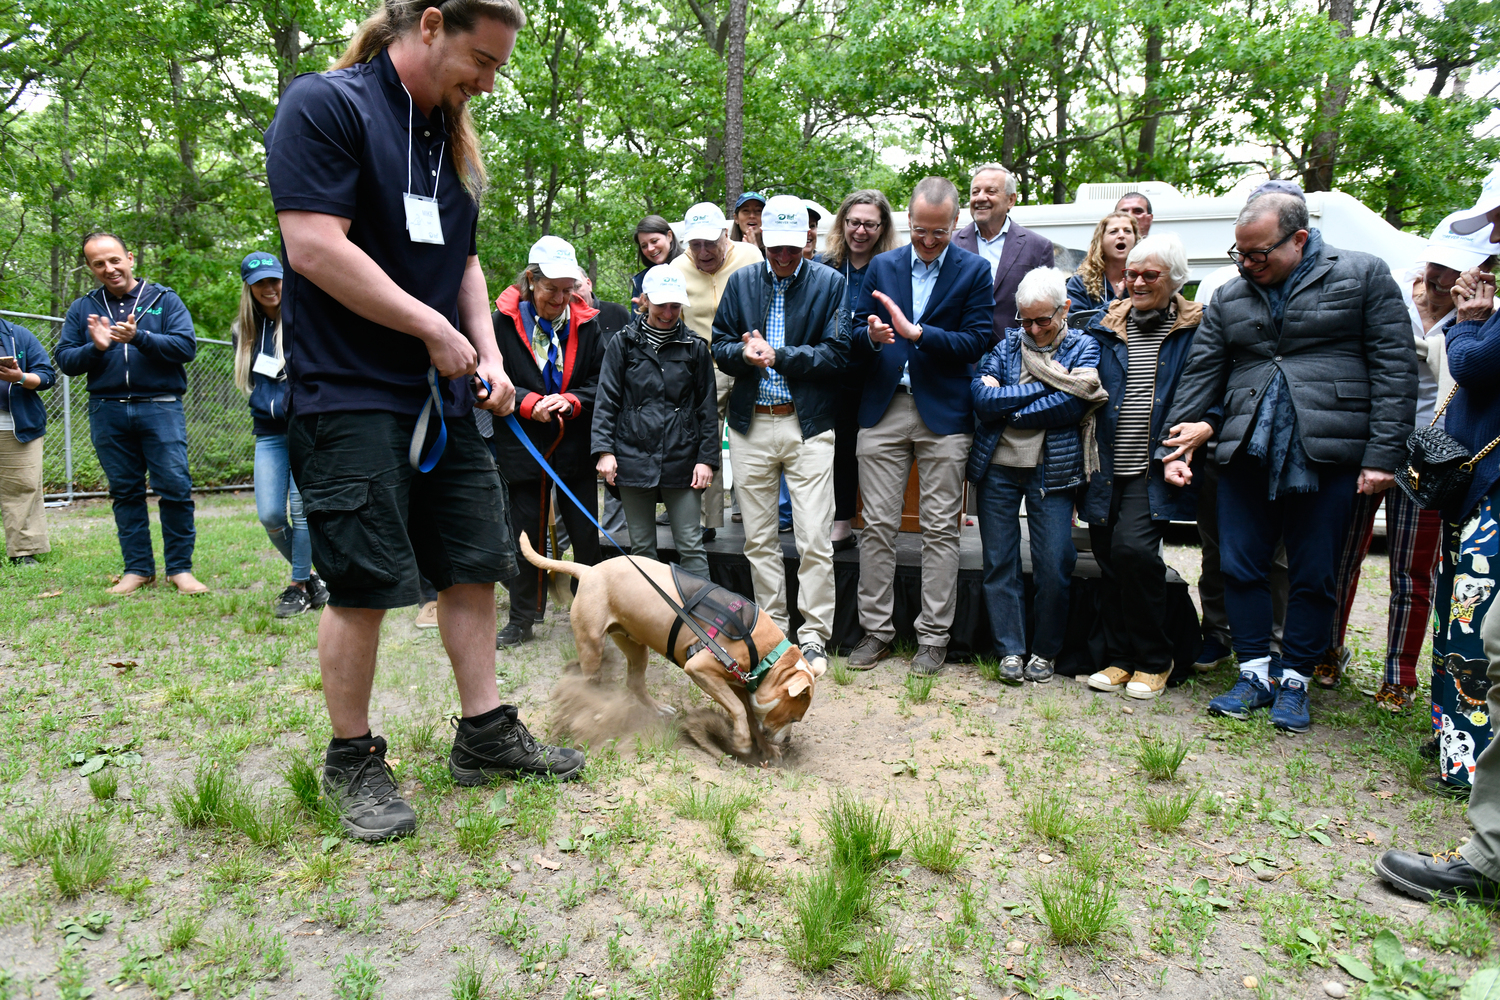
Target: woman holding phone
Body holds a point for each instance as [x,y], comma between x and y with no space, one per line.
[25,370]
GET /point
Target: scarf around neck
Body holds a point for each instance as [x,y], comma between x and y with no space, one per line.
[1083,383]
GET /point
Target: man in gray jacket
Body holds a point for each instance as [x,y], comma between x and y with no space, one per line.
[1310,352]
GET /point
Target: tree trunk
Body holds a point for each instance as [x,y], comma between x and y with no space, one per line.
[1324,149]
[288,41]
[1060,86]
[1145,148]
[734,106]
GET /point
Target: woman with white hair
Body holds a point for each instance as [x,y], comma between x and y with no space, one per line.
[1144,342]
[1031,394]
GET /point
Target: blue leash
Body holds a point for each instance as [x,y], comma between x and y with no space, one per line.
[729,662]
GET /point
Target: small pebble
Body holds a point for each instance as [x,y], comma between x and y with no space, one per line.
[598,991]
[1128,710]
[1334,989]
[1045,859]
[1251,982]
[540,967]
[1016,947]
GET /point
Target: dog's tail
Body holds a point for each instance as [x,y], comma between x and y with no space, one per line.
[550,565]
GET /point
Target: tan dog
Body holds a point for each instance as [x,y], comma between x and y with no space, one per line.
[614,600]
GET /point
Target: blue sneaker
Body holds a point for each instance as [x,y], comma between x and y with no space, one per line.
[1290,711]
[1246,696]
[1213,655]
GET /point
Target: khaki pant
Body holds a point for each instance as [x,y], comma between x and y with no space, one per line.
[886,452]
[775,446]
[21,496]
[713,497]
[1483,849]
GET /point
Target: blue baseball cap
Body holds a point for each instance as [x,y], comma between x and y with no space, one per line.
[749,196]
[259,266]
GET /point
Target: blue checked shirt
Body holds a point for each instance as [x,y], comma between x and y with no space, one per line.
[773,389]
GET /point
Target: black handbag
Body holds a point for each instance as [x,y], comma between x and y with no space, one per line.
[1438,469]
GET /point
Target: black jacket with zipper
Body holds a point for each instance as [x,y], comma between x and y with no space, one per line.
[814,358]
[269,394]
[657,411]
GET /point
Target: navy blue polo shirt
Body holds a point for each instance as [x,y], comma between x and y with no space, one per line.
[339,146]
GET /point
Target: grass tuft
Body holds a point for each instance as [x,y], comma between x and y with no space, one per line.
[859,835]
[721,809]
[824,909]
[181,932]
[207,802]
[843,676]
[82,856]
[935,846]
[1165,815]
[1157,760]
[752,875]
[919,687]
[1076,908]
[104,785]
[1049,815]
[355,978]
[881,966]
[303,779]
[477,828]
[470,982]
[700,965]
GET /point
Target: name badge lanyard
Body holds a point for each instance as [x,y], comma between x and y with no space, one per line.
[423,223]
[266,364]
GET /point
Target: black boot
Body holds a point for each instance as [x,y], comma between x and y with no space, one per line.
[504,747]
[360,785]
[1432,877]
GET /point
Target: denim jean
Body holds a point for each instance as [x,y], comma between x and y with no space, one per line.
[1049,522]
[279,505]
[133,439]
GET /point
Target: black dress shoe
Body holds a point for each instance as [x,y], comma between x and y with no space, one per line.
[845,544]
[24,561]
[709,534]
[1432,877]
[513,634]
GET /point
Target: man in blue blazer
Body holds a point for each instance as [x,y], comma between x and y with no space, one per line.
[923,320]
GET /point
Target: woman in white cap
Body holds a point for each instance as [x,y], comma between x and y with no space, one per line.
[551,344]
[260,373]
[656,420]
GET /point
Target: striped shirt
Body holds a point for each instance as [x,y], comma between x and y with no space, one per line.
[773,389]
[1144,333]
[654,337]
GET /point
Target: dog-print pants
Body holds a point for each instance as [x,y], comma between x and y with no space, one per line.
[1464,595]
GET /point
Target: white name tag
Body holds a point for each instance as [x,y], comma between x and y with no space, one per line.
[268,365]
[422,221]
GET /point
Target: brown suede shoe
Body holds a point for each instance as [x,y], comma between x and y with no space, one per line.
[131,582]
[929,660]
[867,652]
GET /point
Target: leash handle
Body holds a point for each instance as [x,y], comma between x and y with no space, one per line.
[434,404]
[729,662]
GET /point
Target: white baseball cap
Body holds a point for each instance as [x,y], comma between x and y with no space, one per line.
[783,222]
[1473,220]
[704,221]
[555,256]
[663,284]
[1456,250]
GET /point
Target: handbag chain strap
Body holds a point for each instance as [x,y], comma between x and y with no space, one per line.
[1469,465]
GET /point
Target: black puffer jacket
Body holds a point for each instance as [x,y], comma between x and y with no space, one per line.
[1345,349]
[657,412]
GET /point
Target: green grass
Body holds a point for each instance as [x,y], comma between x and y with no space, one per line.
[356,978]
[825,907]
[477,828]
[699,965]
[1077,908]
[1049,814]
[471,982]
[1156,759]
[842,675]
[83,856]
[721,809]
[860,836]
[104,785]
[934,845]
[919,687]
[1166,813]
[207,801]
[881,966]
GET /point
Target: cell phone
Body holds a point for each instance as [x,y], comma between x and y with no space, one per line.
[8,361]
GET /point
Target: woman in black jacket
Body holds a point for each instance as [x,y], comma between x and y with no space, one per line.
[656,420]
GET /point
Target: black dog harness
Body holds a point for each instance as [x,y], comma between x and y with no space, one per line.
[722,612]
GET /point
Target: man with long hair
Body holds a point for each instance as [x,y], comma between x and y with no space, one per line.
[375,173]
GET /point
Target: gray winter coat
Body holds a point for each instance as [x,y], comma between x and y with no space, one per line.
[1345,349]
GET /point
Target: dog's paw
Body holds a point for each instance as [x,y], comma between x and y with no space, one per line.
[665,711]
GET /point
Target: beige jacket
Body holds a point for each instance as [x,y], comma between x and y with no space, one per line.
[705,290]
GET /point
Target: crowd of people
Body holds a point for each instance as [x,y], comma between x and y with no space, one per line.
[376,366]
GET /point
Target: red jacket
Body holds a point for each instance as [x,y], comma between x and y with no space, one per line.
[583,351]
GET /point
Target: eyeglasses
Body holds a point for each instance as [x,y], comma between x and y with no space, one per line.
[1041,322]
[1149,277]
[937,234]
[862,224]
[1259,256]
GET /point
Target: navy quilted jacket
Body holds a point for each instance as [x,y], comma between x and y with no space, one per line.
[1030,406]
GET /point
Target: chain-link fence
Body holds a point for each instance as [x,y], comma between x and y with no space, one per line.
[221,445]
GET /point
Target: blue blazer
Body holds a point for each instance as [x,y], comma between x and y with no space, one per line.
[26,409]
[955,334]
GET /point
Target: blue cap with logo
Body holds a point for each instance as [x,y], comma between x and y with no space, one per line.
[259,266]
[747,197]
